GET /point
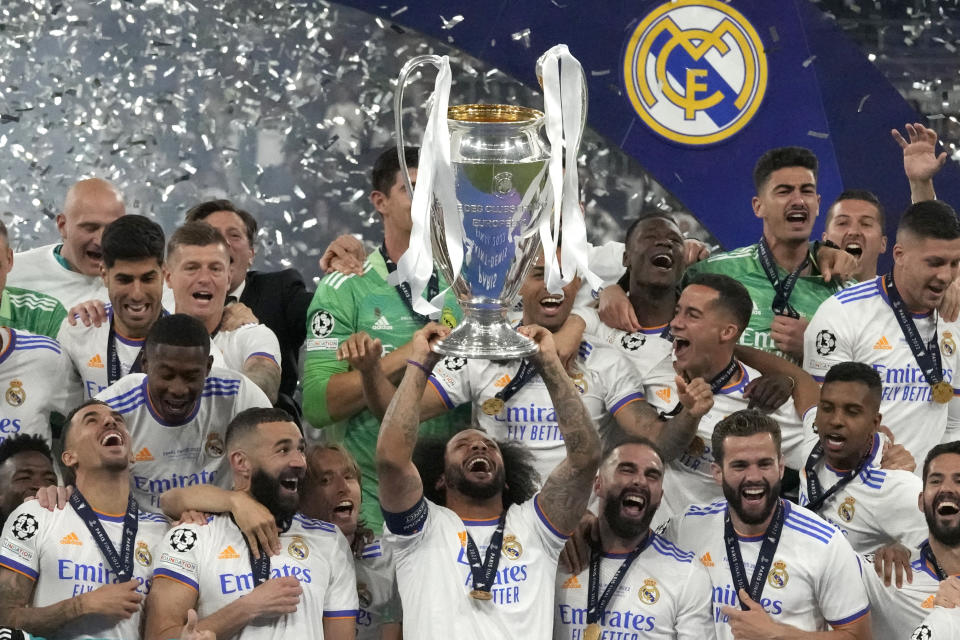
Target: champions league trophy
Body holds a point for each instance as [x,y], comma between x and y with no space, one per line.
[487,184]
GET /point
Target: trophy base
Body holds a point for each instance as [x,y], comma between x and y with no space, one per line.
[486,340]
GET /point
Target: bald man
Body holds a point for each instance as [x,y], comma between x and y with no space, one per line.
[70,270]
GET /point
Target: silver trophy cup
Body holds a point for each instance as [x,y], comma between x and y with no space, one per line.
[499,159]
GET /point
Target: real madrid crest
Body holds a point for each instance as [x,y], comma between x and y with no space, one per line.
[364,595]
[778,575]
[512,548]
[846,509]
[16,396]
[649,593]
[298,548]
[214,445]
[947,344]
[579,381]
[143,555]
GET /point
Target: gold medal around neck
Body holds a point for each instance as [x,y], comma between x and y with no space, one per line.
[592,632]
[477,594]
[492,406]
[942,392]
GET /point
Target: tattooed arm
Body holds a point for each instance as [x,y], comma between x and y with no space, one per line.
[564,496]
[115,601]
[400,485]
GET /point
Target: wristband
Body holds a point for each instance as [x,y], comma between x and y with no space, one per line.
[420,366]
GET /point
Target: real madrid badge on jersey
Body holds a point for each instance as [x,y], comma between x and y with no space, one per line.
[143,555]
[16,396]
[579,381]
[778,576]
[649,593]
[847,509]
[947,344]
[512,548]
[298,548]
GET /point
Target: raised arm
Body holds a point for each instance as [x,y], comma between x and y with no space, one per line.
[564,495]
[920,160]
[265,373]
[400,484]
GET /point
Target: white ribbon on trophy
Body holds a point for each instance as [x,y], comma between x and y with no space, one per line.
[563,99]
[434,177]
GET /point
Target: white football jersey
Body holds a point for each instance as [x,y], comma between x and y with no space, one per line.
[376,591]
[857,324]
[876,508]
[56,550]
[246,342]
[690,481]
[941,624]
[895,613]
[39,270]
[178,455]
[215,561]
[813,578]
[434,578]
[647,350]
[37,379]
[606,382]
[665,594]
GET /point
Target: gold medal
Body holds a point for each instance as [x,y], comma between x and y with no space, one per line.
[942,392]
[592,632]
[477,594]
[492,406]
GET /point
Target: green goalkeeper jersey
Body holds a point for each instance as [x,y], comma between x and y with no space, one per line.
[31,311]
[743,265]
[343,305]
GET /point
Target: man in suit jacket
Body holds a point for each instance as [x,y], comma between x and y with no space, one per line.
[279,299]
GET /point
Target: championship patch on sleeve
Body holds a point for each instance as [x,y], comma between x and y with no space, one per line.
[322,324]
[322,344]
[182,539]
[24,527]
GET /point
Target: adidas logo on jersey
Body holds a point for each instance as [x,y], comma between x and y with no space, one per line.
[502,381]
[664,394]
[143,455]
[706,559]
[382,324]
[228,554]
[71,538]
[882,343]
[571,583]
[95,362]
[928,603]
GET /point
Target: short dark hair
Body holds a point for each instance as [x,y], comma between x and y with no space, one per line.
[384,173]
[178,330]
[930,219]
[24,442]
[859,194]
[522,479]
[621,439]
[781,158]
[194,234]
[939,450]
[731,296]
[856,372]
[743,424]
[636,223]
[68,421]
[248,420]
[200,212]
[132,237]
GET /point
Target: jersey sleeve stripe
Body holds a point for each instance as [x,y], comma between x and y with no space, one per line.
[633,397]
[16,567]
[545,520]
[817,378]
[805,520]
[850,619]
[262,354]
[807,532]
[340,615]
[160,572]
[29,347]
[860,297]
[443,392]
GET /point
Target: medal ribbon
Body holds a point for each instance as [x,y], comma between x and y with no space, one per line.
[767,550]
[485,571]
[403,287]
[926,553]
[596,603]
[783,289]
[815,492]
[524,374]
[122,562]
[716,384]
[927,356]
[260,565]
[114,371]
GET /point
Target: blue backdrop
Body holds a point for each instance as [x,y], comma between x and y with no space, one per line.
[821,93]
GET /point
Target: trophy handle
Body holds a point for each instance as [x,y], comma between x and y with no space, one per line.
[584,97]
[405,72]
